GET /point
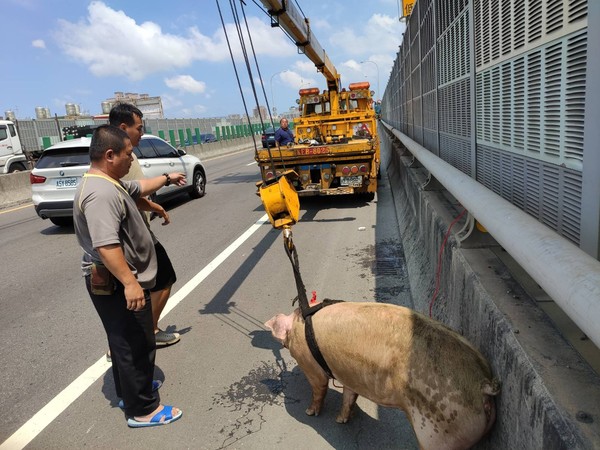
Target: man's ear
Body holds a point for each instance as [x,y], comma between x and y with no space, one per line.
[110,154]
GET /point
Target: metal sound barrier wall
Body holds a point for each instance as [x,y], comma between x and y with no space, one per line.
[497,88]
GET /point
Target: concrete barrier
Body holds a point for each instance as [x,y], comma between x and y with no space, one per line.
[550,396]
[15,188]
[219,148]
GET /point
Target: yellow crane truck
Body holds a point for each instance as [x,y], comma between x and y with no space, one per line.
[336,148]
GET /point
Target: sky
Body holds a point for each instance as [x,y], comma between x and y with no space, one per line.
[80,51]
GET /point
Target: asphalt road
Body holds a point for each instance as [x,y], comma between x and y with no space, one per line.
[237,387]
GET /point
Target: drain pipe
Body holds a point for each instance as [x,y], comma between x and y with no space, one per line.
[569,276]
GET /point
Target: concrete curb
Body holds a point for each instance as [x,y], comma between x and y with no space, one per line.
[550,395]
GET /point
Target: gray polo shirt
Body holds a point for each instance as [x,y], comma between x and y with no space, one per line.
[105,213]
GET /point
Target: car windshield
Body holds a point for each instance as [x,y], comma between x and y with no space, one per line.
[64,157]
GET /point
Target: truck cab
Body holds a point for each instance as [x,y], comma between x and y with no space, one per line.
[12,158]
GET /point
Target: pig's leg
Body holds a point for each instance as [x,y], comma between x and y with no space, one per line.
[319,382]
[348,402]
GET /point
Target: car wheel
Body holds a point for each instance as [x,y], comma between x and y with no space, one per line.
[62,221]
[198,184]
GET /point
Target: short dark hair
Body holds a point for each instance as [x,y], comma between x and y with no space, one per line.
[107,137]
[123,113]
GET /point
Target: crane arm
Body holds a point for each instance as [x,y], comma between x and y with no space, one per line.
[284,14]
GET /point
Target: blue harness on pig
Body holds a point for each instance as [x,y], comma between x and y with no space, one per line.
[306,310]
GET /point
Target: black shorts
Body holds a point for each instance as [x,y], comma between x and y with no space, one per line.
[165,274]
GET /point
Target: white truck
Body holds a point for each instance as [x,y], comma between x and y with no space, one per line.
[12,157]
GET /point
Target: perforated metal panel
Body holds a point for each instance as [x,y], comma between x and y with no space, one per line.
[528,99]
[548,192]
[456,151]
[533,104]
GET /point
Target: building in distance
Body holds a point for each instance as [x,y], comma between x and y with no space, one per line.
[151,107]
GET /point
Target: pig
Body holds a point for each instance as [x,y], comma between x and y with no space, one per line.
[397,357]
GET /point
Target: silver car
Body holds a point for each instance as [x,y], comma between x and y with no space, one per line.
[61,167]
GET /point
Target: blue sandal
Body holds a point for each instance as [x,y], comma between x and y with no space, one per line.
[166,413]
[156,385]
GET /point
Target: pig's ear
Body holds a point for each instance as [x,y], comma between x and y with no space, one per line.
[270,323]
[279,325]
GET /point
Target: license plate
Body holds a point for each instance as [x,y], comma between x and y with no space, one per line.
[351,181]
[312,151]
[64,183]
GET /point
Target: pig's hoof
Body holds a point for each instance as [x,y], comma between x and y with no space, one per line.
[342,419]
[311,412]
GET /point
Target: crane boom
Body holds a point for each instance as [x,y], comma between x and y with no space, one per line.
[284,14]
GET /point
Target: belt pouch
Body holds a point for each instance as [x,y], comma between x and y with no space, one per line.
[101,280]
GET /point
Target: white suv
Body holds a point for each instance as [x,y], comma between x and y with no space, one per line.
[61,167]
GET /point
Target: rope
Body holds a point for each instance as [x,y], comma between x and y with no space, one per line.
[290,250]
[439,262]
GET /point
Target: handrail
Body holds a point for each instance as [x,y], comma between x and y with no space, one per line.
[569,276]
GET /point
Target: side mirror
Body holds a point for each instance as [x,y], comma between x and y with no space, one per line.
[181,152]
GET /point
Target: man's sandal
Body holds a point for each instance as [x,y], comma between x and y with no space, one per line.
[166,413]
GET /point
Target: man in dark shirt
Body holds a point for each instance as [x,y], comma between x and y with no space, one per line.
[284,136]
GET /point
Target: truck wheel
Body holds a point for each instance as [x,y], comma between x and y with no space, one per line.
[368,196]
[16,167]
[62,221]
[198,184]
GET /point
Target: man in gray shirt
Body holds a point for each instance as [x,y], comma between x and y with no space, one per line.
[119,265]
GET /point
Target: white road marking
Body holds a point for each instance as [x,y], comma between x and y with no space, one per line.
[64,399]
[16,208]
[200,276]
[252,163]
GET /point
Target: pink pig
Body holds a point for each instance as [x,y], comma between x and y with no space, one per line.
[398,358]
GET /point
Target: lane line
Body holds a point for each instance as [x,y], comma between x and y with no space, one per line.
[16,208]
[200,276]
[67,396]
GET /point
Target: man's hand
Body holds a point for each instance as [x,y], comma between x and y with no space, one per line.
[134,295]
[113,258]
[178,178]
[164,214]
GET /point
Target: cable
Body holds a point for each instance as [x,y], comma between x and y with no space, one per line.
[439,261]
[259,75]
[271,17]
[235,69]
[264,96]
[237,23]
